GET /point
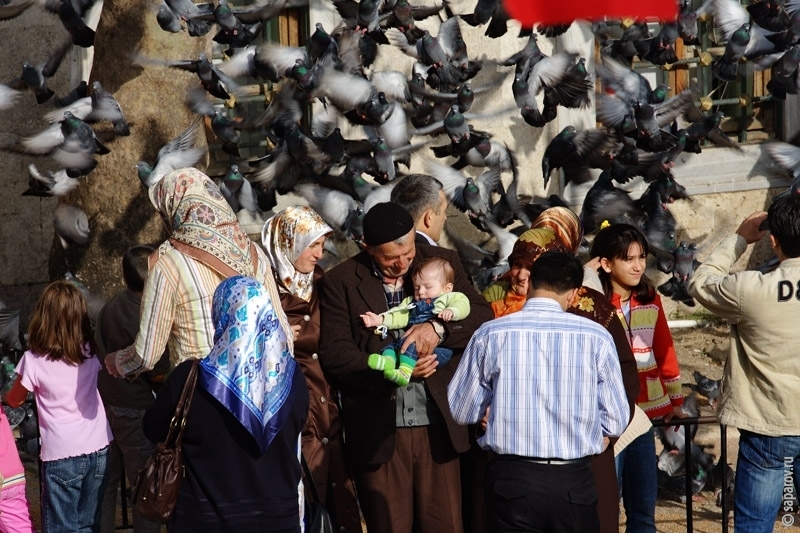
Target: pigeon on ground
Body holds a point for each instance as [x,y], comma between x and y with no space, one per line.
[710,388]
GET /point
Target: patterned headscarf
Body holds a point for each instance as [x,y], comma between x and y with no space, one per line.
[250,368]
[202,224]
[533,243]
[566,225]
[287,235]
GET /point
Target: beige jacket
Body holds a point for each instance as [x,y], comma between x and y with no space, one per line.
[761,382]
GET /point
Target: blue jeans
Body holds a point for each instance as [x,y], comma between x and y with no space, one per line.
[636,474]
[766,470]
[72,490]
[129,448]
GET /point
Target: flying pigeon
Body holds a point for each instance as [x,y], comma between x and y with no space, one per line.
[238,192]
[180,152]
[10,11]
[34,77]
[71,225]
[49,183]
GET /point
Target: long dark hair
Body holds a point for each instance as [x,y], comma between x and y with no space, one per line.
[60,327]
[613,242]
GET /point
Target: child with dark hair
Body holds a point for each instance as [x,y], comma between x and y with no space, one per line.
[61,370]
[622,251]
[433,298]
[126,400]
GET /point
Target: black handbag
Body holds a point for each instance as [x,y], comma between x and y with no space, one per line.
[155,490]
[316,515]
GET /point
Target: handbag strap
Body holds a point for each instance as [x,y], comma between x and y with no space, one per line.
[312,487]
[178,422]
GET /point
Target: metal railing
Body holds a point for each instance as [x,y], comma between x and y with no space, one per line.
[723,459]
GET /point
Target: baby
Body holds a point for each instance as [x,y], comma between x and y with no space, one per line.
[433,298]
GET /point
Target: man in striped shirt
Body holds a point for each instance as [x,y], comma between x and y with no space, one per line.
[552,384]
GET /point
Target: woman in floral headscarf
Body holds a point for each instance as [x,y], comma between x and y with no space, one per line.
[294,240]
[241,436]
[205,246]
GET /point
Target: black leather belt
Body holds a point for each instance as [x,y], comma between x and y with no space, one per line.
[544,461]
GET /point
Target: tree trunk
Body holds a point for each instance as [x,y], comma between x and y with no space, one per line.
[153,101]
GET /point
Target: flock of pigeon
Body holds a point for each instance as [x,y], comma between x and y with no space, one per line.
[428,111]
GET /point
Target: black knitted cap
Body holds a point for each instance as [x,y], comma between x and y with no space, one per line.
[386,222]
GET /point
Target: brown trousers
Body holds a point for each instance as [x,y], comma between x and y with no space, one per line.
[419,489]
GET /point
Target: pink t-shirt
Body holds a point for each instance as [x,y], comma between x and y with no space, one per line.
[10,464]
[72,419]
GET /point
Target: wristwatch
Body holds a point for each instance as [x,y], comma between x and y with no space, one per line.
[438,327]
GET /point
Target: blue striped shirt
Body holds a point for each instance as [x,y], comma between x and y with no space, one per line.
[552,380]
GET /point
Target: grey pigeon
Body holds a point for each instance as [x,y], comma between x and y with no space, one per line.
[343,213]
[72,20]
[106,107]
[464,192]
[237,191]
[605,202]
[710,388]
[49,183]
[34,77]
[9,328]
[71,142]
[576,151]
[180,152]
[190,13]
[71,225]
[673,438]
[8,96]
[168,20]
[10,11]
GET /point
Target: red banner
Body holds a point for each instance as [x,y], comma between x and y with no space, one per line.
[530,12]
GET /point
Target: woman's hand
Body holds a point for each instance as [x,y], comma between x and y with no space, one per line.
[296,331]
[111,364]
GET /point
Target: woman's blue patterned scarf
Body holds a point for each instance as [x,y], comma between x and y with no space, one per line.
[250,368]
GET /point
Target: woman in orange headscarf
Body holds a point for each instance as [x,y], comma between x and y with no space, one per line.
[558,228]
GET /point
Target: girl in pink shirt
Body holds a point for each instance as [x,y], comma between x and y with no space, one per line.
[61,370]
[14,514]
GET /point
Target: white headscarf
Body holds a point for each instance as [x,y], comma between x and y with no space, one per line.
[287,235]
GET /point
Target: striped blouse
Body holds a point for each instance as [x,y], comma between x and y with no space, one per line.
[176,309]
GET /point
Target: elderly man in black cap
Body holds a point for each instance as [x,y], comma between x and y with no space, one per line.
[402,442]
